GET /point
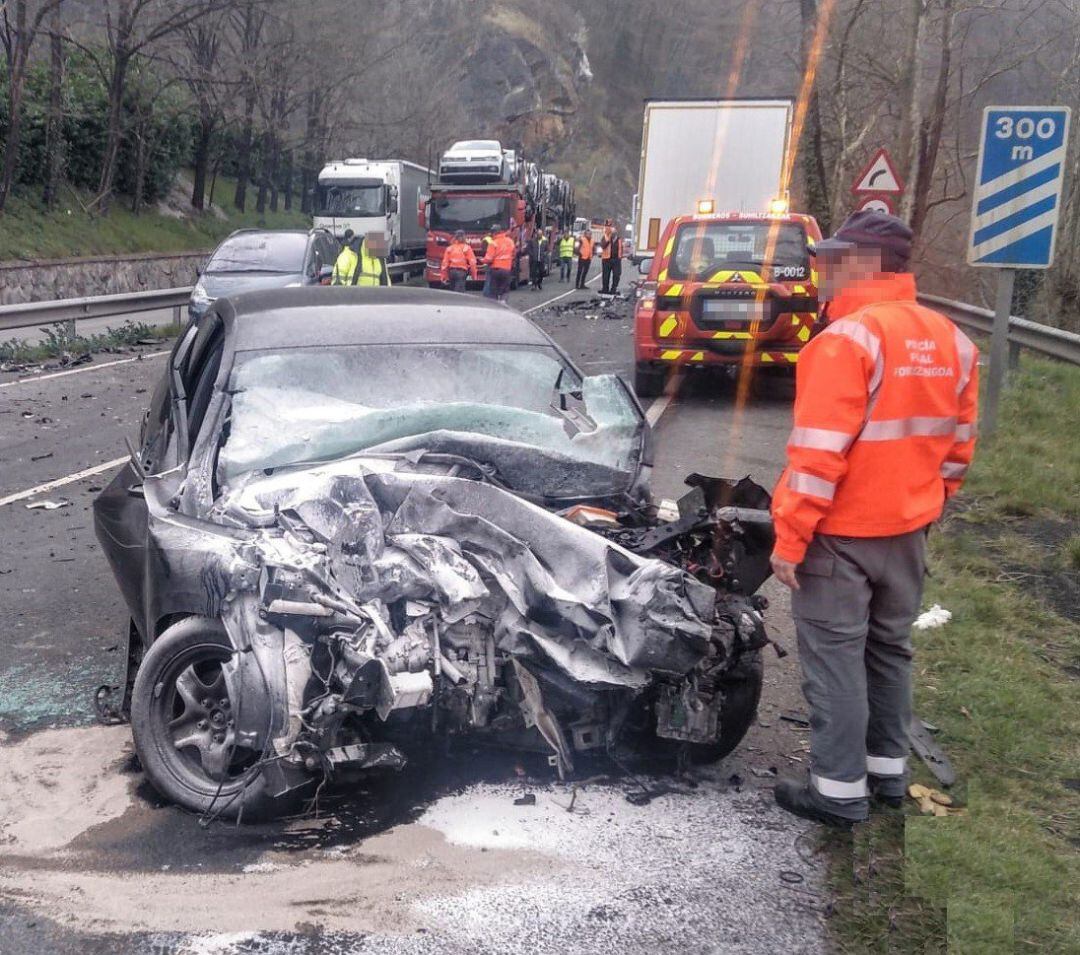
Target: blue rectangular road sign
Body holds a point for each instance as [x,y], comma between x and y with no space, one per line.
[1018,186]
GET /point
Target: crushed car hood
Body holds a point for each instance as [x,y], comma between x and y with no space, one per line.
[556,592]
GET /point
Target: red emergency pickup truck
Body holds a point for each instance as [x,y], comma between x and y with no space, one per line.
[726,290]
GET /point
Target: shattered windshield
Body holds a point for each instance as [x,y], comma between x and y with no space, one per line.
[519,409]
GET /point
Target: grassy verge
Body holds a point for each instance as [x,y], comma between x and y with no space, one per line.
[30,231]
[1002,680]
[59,343]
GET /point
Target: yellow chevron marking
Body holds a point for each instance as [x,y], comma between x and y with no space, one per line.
[795,320]
[662,275]
[670,355]
[698,356]
[668,326]
[803,334]
[675,289]
[813,277]
[670,245]
[792,356]
[728,335]
[765,356]
[800,289]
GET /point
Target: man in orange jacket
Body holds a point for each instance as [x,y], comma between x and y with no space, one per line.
[499,259]
[885,409]
[458,263]
[584,260]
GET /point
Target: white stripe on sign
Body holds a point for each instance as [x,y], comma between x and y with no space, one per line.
[1046,191]
[60,482]
[1015,234]
[1019,174]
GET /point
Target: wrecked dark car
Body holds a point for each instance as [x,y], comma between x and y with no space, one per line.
[357,520]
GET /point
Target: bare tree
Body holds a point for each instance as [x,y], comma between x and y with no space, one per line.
[19,28]
[54,132]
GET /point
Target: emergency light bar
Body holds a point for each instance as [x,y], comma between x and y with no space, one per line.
[778,207]
[706,207]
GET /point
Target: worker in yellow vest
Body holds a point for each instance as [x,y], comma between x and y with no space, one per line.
[566,255]
[355,265]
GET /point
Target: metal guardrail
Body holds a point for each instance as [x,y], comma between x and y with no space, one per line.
[1054,342]
[73,310]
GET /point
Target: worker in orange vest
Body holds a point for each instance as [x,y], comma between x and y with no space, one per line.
[499,259]
[584,251]
[458,263]
[885,413]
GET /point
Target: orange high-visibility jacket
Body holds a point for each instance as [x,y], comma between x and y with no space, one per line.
[608,245]
[500,253]
[885,408]
[459,255]
[585,247]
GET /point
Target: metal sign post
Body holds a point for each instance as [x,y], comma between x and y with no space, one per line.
[1015,211]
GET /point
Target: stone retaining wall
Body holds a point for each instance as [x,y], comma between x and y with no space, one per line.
[47,281]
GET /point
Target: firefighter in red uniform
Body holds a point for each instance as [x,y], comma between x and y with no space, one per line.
[885,407]
[458,263]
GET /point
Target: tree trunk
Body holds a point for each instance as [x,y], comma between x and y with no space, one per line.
[201,160]
[911,121]
[140,167]
[288,181]
[264,173]
[932,127]
[243,173]
[813,157]
[54,132]
[115,132]
[11,146]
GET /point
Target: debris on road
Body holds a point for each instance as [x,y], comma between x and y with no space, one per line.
[48,505]
[528,799]
[933,802]
[797,718]
[936,616]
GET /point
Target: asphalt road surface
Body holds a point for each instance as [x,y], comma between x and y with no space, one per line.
[437,859]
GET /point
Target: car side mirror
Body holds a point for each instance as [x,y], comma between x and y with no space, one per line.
[645,265]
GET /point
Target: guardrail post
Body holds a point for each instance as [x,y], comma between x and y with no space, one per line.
[176,315]
[69,328]
[999,347]
[1014,356]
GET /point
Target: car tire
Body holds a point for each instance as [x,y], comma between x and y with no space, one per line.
[648,382]
[742,693]
[190,652]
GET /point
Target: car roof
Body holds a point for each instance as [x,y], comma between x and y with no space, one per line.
[326,316]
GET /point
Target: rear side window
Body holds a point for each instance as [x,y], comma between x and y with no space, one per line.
[773,249]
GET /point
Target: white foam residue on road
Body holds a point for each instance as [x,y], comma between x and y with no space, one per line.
[641,878]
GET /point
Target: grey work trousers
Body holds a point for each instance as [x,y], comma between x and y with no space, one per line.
[853,612]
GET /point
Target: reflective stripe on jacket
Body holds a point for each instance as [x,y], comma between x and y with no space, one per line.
[458,255]
[566,247]
[500,254]
[885,411]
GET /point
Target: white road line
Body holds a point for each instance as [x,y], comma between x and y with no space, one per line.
[60,482]
[537,308]
[657,408]
[76,371]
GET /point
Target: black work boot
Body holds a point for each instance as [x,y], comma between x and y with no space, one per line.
[800,800]
[884,791]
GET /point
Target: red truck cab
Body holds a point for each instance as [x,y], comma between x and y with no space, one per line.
[474,209]
[726,289]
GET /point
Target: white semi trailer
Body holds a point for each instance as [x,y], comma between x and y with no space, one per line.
[709,156]
[378,195]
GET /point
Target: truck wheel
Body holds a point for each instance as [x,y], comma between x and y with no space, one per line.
[648,382]
[181,718]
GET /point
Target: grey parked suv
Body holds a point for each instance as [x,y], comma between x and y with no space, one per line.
[254,259]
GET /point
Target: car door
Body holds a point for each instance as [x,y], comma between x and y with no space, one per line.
[120,515]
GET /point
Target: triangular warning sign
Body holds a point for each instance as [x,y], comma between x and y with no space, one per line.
[878,176]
